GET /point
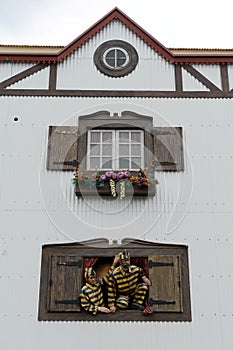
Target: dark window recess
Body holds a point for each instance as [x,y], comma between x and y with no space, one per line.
[62,270]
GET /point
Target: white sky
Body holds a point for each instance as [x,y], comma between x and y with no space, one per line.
[180,23]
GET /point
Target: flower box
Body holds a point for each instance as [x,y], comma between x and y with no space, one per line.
[134,190]
[116,184]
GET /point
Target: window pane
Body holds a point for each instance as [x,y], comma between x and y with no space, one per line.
[135,150]
[95,136]
[120,62]
[136,163]
[94,163]
[120,54]
[107,137]
[123,150]
[95,150]
[123,136]
[110,54]
[107,163]
[123,163]
[107,150]
[110,62]
[136,136]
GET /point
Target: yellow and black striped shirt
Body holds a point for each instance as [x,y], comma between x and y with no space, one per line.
[124,283]
[92,295]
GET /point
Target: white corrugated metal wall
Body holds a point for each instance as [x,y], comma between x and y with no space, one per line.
[194,208]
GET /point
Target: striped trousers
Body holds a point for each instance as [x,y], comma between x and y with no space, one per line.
[137,296]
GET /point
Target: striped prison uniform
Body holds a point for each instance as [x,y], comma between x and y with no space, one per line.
[124,286]
[92,295]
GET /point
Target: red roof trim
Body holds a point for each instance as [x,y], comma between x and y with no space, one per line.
[139,31]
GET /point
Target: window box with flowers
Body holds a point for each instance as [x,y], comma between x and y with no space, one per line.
[116,184]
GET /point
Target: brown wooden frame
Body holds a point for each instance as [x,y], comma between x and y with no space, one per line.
[101,248]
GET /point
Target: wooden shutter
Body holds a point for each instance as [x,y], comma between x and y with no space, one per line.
[168,149]
[65,283]
[62,148]
[165,294]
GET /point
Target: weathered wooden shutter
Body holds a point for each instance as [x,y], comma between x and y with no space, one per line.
[168,148]
[165,294]
[62,148]
[65,283]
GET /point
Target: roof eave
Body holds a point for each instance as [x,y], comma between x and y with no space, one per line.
[133,26]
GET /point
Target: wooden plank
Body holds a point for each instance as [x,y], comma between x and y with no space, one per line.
[224,77]
[65,284]
[168,149]
[53,77]
[118,93]
[167,283]
[62,147]
[178,77]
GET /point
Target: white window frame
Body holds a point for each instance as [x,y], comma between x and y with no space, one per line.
[115,149]
[116,57]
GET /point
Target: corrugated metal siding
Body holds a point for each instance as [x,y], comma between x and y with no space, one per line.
[79,71]
[193,208]
[192,84]
[39,80]
[211,72]
[9,69]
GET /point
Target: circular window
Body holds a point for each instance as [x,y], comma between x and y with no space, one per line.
[116,58]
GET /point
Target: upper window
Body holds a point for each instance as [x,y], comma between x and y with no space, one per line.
[116,142]
[116,58]
[115,149]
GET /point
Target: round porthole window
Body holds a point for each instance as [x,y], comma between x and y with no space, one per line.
[116,58]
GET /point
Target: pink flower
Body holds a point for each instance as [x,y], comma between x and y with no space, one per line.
[111,175]
[103,177]
[124,175]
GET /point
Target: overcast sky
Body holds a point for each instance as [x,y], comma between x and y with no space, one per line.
[191,24]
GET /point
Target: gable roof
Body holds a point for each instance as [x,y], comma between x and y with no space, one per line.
[171,55]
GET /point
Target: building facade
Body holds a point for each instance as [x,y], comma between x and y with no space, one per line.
[116,100]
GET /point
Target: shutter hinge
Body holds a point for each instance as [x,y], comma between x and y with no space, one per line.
[157,264]
[156,163]
[75,163]
[161,302]
[70,263]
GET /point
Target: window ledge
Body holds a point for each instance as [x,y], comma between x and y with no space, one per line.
[133,190]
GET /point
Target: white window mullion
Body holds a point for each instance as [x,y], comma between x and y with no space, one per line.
[115,150]
[142,151]
[101,149]
[117,155]
[130,150]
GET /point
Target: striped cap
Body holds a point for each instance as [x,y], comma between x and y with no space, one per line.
[124,255]
[89,272]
